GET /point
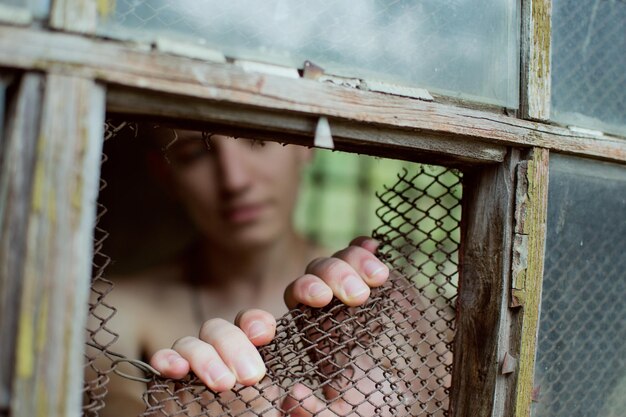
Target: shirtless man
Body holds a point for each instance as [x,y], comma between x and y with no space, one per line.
[241,195]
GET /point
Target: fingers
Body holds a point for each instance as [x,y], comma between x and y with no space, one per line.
[344,281]
[309,290]
[223,355]
[370,268]
[348,275]
[206,362]
[258,325]
[366,243]
[170,364]
[236,350]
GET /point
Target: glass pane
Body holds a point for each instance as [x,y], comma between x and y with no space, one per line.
[39,8]
[588,64]
[452,47]
[581,357]
[14,3]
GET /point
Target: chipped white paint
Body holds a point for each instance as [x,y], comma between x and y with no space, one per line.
[585,131]
[189,50]
[261,67]
[509,364]
[342,81]
[397,90]
[323,136]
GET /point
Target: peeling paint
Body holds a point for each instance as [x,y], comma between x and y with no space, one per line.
[25,355]
[520,261]
[323,136]
[398,90]
[105,7]
[263,68]
[189,50]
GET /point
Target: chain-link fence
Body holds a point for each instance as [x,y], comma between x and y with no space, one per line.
[588,60]
[391,356]
[100,337]
[581,354]
[336,202]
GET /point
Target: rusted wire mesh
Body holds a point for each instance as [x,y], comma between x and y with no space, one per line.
[100,337]
[588,77]
[389,357]
[581,354]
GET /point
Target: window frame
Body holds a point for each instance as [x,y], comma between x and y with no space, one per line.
[504,156]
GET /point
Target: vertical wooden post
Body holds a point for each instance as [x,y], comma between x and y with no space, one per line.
[16,178]
[535,59]
[488,198]
[75,15]
[58,254]
[529,250]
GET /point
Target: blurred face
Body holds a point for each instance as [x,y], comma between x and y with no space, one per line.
[241,193]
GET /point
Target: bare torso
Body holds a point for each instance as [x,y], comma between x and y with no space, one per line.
[163,304]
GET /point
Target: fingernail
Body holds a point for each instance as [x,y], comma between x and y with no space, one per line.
[374,268]
[354,286]
[248,369]
[163,363]
[375,243]
[217,371]
[317,290]
[256,329]
[173,360]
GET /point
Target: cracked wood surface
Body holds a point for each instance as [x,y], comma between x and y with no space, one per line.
[137,67]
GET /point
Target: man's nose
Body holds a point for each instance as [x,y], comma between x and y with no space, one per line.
[235,175]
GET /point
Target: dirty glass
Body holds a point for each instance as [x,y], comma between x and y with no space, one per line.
[38,8]
[588,64]
[14,3]
[455,47]
[581,358]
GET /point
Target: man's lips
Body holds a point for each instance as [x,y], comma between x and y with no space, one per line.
[244,213]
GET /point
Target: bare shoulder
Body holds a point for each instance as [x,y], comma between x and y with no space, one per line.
[139,296]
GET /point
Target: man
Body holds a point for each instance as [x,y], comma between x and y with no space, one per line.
[241,194]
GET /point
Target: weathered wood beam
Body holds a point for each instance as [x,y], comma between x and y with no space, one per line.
[57,258]
[17,155]
[535,59]
[527,274]
[139,67]
[298,128]
[484,271]
[74,15]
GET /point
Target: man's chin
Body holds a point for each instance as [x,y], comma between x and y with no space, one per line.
[248,238]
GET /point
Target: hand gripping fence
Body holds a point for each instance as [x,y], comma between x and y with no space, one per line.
[389,357]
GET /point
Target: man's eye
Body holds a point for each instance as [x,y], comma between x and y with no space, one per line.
[189,156]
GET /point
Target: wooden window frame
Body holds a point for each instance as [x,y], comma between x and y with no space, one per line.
[504,159]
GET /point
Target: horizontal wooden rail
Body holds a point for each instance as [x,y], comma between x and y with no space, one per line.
[137,66]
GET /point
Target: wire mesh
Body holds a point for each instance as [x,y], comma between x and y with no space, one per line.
[581,355]
[337,198]
[588,77]
[390,357]
[100,337]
